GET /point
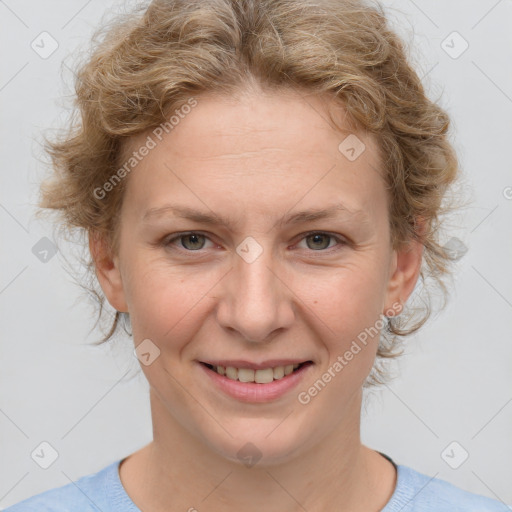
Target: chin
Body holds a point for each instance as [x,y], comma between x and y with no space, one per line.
[255,446]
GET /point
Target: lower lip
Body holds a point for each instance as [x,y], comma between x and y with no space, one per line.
[253,392]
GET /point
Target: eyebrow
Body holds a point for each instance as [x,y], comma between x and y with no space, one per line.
[212,218]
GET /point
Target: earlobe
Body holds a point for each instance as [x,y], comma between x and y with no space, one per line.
[107,271]
[406,267]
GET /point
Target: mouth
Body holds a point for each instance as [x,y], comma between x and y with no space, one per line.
[260,375]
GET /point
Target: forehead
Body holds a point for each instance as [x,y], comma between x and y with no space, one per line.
[257,119]
[280,144]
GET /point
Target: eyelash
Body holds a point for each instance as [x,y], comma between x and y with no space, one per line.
[167,242]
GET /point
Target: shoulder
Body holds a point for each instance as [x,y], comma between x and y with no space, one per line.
[416,492]
[89,493]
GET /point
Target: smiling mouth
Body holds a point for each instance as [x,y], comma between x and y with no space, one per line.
[262,376]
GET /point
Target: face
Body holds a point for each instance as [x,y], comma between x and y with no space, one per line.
[250,239]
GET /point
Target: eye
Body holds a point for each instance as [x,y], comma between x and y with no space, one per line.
[192,241]
[319,241]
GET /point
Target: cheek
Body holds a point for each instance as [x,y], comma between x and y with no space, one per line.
[171,302]
[165,301]
[347,308]
[345,299]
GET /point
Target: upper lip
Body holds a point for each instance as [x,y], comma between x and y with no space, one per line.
[240,363]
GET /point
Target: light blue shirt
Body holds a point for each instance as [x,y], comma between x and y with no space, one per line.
[103,492]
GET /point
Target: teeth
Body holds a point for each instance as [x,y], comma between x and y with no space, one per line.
[259,376]
[245,375]
[231,373]
[264,376]
[278,372]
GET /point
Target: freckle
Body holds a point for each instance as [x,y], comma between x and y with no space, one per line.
[315,301]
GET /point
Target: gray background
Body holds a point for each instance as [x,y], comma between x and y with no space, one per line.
[453,384]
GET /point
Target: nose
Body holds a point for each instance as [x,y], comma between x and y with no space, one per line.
[256,301]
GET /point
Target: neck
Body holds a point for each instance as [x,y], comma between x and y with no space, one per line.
[179,472]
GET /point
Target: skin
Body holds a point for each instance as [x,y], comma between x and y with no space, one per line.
[255,158]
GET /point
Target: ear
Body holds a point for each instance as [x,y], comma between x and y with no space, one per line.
[405,269]
[107,271]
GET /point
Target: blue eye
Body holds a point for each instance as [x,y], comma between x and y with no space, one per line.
[318,239]
[193,241]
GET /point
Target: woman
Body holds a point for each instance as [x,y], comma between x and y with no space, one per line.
[261,184]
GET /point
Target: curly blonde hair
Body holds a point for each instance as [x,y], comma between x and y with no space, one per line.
[149,63]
